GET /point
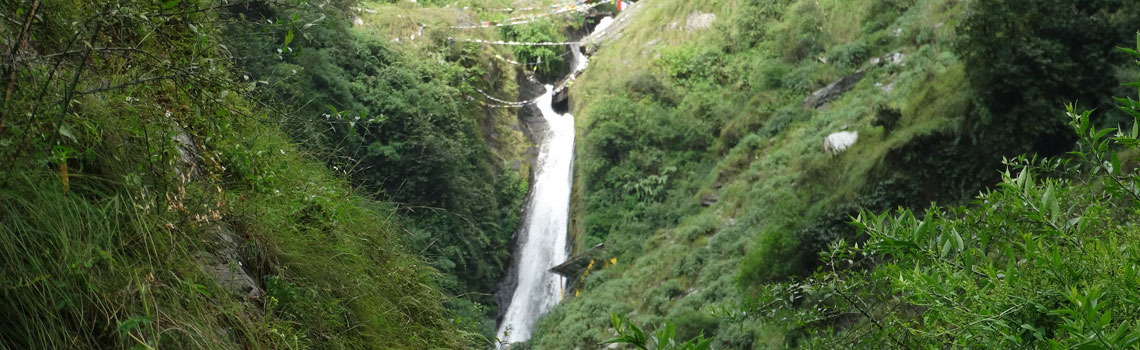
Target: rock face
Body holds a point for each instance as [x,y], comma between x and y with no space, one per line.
[699,20]
[832,91]
[709,199]
[224,265]
[188,157]
[223,261]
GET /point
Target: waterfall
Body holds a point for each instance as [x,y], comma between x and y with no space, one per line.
[543,241]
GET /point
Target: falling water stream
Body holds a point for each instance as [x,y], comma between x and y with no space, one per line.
[543,241]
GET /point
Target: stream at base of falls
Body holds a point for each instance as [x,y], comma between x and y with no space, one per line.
[542,243]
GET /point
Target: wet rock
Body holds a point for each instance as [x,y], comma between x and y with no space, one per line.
[821,97]
[833,91]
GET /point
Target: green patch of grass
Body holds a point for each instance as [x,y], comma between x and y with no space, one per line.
[103,232]
[777,198]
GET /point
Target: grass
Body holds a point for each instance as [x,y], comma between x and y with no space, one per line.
[107,256]
[776,189]
[99,266]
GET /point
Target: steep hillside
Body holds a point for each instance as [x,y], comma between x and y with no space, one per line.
[702,166]
[385,100]
[202,174]
[344,174]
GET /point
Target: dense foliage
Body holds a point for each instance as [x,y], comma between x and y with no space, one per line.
[705,164]
[142,140]
[399,125]
[1044,260]
[1030,56]
[134,158]
[313,146]
[546,61]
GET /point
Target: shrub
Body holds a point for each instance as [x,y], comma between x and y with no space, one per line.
[849,56]
[1025,56]
[1036,262]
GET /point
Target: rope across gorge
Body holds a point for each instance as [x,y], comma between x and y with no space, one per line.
[577,6]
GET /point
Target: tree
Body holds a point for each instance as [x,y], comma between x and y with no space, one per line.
[1026,56]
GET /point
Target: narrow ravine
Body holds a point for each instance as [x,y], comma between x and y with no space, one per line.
[543,241]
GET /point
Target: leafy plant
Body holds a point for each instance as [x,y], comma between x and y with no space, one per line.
[1036,262]
[662,339]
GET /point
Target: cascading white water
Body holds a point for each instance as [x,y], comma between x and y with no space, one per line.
[543,242]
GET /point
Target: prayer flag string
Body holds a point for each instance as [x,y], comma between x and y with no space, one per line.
[523,9]
[526,19]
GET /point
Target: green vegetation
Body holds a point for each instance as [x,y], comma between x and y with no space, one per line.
[401,128]
[1061,51]
[663,339]
[304,174]
[701,170]
[546,60]
[144,140]
[1041,261]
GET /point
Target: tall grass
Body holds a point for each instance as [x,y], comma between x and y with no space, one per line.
[109,257]
[89,269]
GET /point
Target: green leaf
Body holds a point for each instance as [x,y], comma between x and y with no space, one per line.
[170,4]
[1100,134]
[66,131]
[1049,203]
[288,39]
[1084,120]
[1115,160]
[1105,318]
[125,327]
[1129,51]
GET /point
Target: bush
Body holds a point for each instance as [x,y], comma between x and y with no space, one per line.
[1036,262]
[849,56]
[646,85]
[1026,56]
[548,59]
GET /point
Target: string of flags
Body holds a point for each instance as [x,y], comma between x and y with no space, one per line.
[518,20]
[513,43]
[526,19]
[522,9]
[492,105]
[531,64]
[500,103]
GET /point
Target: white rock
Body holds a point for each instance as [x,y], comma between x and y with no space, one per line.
[840,141]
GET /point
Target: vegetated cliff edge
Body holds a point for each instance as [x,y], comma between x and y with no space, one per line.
[701,163]
[253,175]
